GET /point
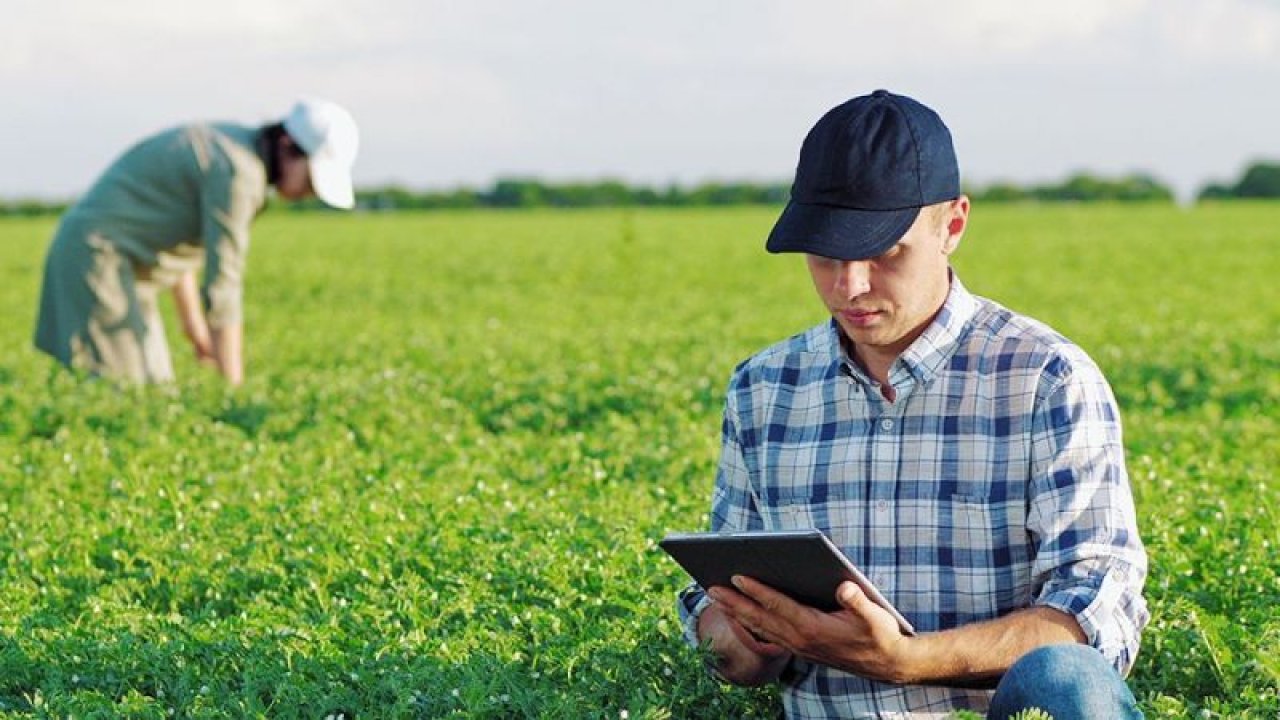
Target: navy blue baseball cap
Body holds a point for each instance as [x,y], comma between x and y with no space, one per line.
[866,168]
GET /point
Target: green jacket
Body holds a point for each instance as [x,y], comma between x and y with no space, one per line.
[179,199]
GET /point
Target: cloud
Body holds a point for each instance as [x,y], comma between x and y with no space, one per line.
[905,34]
[1221,32]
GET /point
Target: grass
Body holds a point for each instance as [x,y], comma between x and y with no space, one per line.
[439,490]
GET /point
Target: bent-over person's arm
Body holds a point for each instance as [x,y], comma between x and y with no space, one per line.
[186,298]
[228,341]
[232,194]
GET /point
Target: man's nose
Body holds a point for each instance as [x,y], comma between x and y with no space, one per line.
[853,278]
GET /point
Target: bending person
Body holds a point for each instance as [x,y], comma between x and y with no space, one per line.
[174,202]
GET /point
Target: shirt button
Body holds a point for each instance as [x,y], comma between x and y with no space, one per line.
[882,505]
[886,424]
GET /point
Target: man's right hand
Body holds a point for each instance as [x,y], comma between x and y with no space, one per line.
[743,658]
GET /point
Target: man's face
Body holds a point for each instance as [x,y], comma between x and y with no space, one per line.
[884,303]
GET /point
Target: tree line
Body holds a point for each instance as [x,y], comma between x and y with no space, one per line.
[1260,180]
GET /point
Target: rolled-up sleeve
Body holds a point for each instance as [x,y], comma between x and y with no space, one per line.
[1090,561]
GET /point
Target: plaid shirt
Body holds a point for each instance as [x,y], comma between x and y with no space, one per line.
[994,482]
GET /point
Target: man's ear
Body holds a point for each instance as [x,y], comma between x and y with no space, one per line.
[955,224]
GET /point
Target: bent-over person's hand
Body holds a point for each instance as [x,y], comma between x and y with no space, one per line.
[204,352]
[860,638]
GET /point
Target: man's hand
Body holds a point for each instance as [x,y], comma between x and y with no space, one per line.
[861,638]
[741,657]
[864,639]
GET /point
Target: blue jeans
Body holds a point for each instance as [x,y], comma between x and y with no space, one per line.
[1066,681]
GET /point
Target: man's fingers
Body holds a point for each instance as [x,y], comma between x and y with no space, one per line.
[768,598]
[746,634]
[749,611]
[849,595]
[743,618]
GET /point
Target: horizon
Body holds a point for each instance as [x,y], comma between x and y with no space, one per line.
[485,187]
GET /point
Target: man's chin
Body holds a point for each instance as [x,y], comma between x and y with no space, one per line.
[862,335]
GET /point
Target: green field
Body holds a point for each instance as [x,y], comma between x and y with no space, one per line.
[439,490]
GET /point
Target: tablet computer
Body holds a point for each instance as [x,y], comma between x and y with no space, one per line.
[804,564]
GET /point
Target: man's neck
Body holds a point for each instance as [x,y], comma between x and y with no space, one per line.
[874,362]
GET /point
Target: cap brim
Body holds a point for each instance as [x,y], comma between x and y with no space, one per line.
[331,179]
[837,232]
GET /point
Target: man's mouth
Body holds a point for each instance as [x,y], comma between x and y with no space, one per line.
[859,317]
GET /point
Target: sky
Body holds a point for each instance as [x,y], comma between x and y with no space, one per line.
[462,92]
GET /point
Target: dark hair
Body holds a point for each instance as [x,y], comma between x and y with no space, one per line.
[269,141]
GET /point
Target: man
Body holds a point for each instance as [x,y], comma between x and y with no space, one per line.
[175,201]
[966,458]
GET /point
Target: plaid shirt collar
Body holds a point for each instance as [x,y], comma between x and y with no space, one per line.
[925,357]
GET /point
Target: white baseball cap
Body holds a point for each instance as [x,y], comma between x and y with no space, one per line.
[327,133]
